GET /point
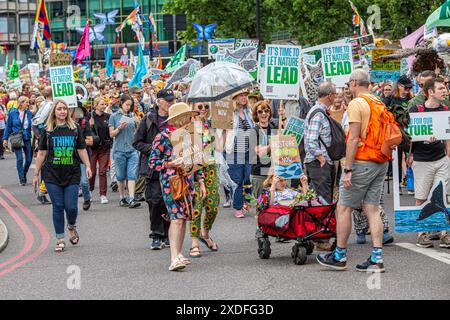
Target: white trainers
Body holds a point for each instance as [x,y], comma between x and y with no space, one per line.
[103,200]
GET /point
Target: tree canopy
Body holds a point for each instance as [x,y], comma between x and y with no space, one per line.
[311,22]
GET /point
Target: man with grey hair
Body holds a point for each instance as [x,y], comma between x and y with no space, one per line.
[362,180]
[319,166]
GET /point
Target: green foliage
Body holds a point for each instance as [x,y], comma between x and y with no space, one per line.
[311,22]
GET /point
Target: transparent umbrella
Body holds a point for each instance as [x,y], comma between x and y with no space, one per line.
[218,80]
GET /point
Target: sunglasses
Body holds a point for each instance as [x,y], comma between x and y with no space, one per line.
[263,111]
[201,107]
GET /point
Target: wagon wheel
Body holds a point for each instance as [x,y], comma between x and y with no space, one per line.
[309,247]
[264,252]
[301,256]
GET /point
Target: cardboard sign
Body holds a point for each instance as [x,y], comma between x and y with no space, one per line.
[187,143]
[337,63]
[425,125]
[60,59]
[25,76]
[34,71]
[222,114]
[296,128]
[283,74]
[219,46]
[63,84]
[102,74]
[285,157]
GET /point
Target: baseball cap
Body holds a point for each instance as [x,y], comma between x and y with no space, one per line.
[404,81]
[166,94]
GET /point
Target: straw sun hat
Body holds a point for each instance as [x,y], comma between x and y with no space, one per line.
[179,111]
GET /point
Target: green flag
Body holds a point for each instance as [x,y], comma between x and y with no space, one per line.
[14,71]
[177,59]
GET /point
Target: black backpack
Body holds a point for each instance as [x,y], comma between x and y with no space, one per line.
[336,151]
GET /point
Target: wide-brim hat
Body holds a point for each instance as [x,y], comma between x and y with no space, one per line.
[179,110]
[243,91]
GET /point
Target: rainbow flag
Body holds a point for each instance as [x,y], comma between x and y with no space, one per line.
[41,30]
[132,18]
[357,20]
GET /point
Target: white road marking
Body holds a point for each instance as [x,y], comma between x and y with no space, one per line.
[432,253]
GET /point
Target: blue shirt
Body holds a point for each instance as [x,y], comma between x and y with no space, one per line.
[14,124]
[123,142]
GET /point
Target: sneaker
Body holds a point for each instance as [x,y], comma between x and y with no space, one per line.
[139,197]
[387,238]
[411,192]
[239,214]
[227,204]
[80,193]
[22,182]
[424,242]
[103,200]
[124,203]
[445,241]
[156,244]
[327,260]
[133,204]
[166,243]
[435,235]
[43,199]
[361,238]
[114,187]
[369,266]
[86,205]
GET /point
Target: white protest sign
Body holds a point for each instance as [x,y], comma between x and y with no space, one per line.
[63,85]
[261,68]
[34,71]
[282,72]
[337,63]
[424,125]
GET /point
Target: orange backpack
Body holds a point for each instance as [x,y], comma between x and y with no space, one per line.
[382,135]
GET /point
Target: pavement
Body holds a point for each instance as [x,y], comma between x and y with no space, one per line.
[113,260]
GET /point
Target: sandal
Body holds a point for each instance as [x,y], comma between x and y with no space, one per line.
[60,246]
[205,241]
[184,260]
[194,252]
[75,238]
[176,265]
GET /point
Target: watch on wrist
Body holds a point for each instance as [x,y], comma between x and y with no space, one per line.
[347,170]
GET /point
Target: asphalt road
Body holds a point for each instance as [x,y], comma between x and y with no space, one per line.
[114,260]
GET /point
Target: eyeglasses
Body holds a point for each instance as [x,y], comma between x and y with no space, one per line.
[201,107]
[263,111]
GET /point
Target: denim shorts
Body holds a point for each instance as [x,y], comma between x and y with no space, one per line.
[126,165]
[367,184]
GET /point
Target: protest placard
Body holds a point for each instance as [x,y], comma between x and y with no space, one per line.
[102,74]
[34,71]
[187,144]
[282,73]
[222,114]
[63,84]
[261,68]
[384,70]
[60,59]
[295,127]
[285,157]
[337,63]
[424,125]
[219,46]
[25,76]
[2,74]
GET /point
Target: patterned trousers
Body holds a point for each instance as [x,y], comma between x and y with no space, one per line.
[210,203]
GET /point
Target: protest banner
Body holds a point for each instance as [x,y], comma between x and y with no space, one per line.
[433,215]
[34,71]
[63,85]
[222,114]
[285,157]
[187,144]
[219,46]
[295,127]
[60,59]
[177,60]
[261,68]
[424,125]
[118,63]
[282,76]
[2,74]
[102,74]
[384,70]
[361,48]
[245,55]
[337,63]
[25,76]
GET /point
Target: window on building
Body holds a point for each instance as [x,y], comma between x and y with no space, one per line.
[25,25]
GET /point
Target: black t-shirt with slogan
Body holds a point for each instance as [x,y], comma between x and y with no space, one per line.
[62,164]
[426,151]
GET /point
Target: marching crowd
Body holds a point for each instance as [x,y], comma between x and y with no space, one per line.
[125,132]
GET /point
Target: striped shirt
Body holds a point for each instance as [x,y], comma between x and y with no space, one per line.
[242,144]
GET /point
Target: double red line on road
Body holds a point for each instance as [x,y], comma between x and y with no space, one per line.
[12,263]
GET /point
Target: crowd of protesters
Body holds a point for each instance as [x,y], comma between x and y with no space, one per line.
[125,131]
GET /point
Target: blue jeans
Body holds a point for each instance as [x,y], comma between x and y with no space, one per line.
[126,165]
[22,169]
[240,174]
[63,199]
[84,184]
